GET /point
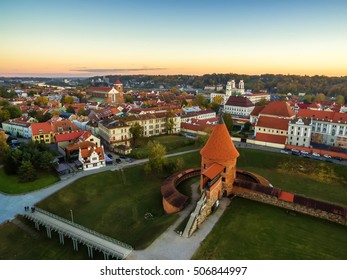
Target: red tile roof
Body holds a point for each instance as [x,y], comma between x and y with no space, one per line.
[86,153]
[286,196]
[273,122]
[278,108]
[272,138]
[240,101]
[85,135]
[67,136]
[219,146]
[41,128]
[257,110]
[64,125]
[323,115]
[314,105]
[213,170]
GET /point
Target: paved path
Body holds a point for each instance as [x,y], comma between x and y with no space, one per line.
[171,246]
[12,205]
[83,235]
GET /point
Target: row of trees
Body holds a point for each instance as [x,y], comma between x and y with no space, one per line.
[331,86]
[27,160]
[8,112]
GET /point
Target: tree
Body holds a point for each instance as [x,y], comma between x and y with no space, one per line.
[170,122]
[320,97]
[218,99]
[214,106]
[3,147]
[200,100]
[129,99]
[66,99]
[228,120]
[27,172]
[82,112]
[247,126]
[70,109]
[340,99]
[12,161]
[308,98]
[175,90]
[41,101]
[4,115]
[45,160]
[156,157]
[137,131]
[15,112]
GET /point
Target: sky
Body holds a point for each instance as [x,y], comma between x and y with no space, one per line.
[87,38]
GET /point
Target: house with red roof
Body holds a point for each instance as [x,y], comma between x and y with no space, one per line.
[273,121]
[92,157]
[42,132]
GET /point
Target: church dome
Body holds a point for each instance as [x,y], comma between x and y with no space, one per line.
[219,146]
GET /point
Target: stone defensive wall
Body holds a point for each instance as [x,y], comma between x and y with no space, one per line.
[252,186]
[291,201]
[173,200]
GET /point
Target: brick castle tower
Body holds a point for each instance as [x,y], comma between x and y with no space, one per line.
[218,164]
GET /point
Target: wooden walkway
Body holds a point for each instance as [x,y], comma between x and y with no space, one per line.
[78,234]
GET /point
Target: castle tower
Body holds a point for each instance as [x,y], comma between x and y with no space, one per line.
[218,163]
[118,86]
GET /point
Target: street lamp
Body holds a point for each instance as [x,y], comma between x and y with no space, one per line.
[71,215]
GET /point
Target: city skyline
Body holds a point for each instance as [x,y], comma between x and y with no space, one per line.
[85,39]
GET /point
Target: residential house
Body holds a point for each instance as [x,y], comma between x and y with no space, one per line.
[92,157]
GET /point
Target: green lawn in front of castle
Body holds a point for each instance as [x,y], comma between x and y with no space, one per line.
[10,184]
[250,230]
[115,205]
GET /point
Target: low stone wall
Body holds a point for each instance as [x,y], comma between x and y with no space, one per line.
[273,200]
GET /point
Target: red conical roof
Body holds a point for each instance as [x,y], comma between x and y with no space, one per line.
[219,146]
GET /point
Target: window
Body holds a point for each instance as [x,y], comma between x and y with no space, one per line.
[225,170]
[223,179]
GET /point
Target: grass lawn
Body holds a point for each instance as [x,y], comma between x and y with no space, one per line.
[105,204]
[252,230]
[266,164]
[173,144]
[18,244]
[11,184]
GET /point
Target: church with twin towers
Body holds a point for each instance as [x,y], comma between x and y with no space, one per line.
[230,90]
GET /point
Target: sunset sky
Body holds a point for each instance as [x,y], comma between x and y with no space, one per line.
[87,38]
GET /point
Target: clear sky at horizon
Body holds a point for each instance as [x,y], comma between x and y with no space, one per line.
[87,38]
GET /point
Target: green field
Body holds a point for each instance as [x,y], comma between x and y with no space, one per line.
[11,185]
[266,164]
[251,230]
[114,205]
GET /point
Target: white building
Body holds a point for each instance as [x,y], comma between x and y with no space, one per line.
[239,106]
[299,132]
[329,128]
[92,157]
[17,128]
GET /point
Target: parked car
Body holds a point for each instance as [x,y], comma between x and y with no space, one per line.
[122,156]
[326,156]
[118,160]
[295,150]
[109,155]
[304,152]
[316,154]
[284,152]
